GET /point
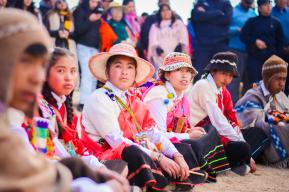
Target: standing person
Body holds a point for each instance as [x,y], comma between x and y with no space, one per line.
[171,110]
[166,35]
[266,108]
[61,27]
[24,171]
[119,25]
[87,24]
[263,37]
[211,20]
[119,125]
[131,17]
[241,13]
[281,12]
[28,5]
[210,102]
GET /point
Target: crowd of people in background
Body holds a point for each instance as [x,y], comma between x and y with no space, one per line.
[163,105]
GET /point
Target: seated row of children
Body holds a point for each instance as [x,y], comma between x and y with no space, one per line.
[154,133]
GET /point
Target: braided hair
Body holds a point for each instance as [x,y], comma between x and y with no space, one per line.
[56,55]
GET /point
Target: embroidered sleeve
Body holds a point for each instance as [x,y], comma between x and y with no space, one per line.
[157,137]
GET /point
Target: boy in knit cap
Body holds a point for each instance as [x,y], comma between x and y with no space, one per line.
[211,103]
[266,107]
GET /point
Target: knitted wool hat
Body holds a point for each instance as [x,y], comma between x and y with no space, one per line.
[224,61]
[18,30]
[273,66]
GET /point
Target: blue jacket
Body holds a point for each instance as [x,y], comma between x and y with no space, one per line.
[212,25]
[283,17]
[240,16]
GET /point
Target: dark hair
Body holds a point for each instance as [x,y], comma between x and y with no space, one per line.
[20,5]
[144,14]
[36,50]
[111,60]
[58,2]
[126,2]
[56,55]
[159,17]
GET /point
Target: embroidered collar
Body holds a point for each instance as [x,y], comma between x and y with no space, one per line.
[15,116]
[116,91]
[264,89]
[213,84]
[59,100]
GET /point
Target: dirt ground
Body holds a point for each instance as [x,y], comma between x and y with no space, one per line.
[266,179]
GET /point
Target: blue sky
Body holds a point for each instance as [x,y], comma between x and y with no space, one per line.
[182,7]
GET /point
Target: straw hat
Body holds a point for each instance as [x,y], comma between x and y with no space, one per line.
[97,63]
[176,60]
[115,4]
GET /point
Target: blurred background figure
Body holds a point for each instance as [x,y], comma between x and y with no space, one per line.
[281,12]
[211,20]
[120,26]
[45,6]
[87,24]
[28,5]
[263,37]
[3,3]
[105,5]
[166,35]
[241,13]
[61,27]
[131,17]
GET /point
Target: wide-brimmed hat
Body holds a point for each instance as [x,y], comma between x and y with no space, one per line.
[224,61]
[176,60]
[97,63]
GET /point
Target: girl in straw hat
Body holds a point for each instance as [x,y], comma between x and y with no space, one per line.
[171,110]
[119,125]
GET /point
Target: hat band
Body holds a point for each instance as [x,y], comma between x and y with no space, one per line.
[176,66]
[16,28]
[223,61]
[275,66]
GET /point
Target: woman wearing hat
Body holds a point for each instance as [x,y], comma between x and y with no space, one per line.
[119,126]
[210,102]
[171,110]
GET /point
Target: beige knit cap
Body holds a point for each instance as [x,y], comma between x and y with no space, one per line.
[18,30]
[272,66]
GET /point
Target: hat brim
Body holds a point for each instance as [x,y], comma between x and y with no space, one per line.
[97,66]
[224,67]
[176,66]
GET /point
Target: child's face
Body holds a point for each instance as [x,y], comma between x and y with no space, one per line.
[62,76]
[130,7]
[28,77]
[116,13]
[27,2]
[180,78]
[122,72]
[222,78]
[277,83]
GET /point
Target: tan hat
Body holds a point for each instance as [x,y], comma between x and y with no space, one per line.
[176,60]
[97,63]
[18,30]
[272,66]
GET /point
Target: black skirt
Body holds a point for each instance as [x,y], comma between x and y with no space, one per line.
[210,153]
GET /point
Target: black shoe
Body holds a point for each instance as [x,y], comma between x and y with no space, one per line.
[80,107]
